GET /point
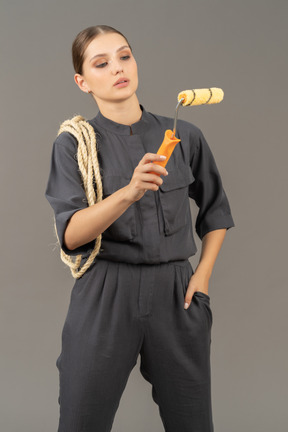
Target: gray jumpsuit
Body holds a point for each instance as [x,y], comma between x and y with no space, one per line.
[131,300]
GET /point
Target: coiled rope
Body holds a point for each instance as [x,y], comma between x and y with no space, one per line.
[90,172]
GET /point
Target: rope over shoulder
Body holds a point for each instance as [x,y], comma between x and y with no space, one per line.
[90,173]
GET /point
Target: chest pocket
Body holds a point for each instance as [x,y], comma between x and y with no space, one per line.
[174,198]
[123,228]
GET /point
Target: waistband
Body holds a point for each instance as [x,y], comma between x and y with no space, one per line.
[181,263]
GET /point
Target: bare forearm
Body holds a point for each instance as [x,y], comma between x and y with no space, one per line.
[85,225]
[199,281]
[211,245]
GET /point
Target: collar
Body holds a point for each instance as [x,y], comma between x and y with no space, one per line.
[121,129]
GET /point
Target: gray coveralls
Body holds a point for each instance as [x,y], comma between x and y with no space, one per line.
[131,300]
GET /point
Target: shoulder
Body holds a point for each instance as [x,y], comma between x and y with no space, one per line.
[65,141]
[65,147]
[182,126]
[189,129]
[70,131]
[159,118]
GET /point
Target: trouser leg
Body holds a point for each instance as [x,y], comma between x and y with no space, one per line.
[118,311]
[101,340]
[175,354]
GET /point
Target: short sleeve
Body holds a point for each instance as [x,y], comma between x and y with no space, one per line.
[207,190]
[65,191]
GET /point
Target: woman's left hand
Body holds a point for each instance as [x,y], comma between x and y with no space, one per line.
[198,282]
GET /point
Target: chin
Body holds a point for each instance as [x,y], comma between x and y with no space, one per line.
[125,95]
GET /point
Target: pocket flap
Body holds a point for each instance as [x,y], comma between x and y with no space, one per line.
[178,178]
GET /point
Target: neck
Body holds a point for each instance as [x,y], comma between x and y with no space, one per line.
[124,112]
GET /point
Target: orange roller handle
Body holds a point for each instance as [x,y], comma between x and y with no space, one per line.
[167,147]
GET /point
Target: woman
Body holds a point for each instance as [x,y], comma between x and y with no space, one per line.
[141,294]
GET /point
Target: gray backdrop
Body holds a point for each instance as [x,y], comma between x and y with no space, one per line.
[238,46]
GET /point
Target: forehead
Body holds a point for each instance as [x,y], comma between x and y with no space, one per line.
[106,43]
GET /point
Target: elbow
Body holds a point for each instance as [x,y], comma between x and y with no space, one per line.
[73,241]
[69,241]
[69,245]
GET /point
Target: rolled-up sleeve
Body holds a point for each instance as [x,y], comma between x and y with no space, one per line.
[207,190]
[65,191]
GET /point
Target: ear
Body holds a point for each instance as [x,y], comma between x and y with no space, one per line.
[80,81]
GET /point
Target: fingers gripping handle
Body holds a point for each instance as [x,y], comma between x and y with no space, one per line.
[167,147]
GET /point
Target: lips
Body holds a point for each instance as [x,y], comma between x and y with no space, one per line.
[121,80]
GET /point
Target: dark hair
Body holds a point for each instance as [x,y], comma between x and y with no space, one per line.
[83,39]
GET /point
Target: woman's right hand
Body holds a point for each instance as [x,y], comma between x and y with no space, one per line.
[146,176]
[87,224]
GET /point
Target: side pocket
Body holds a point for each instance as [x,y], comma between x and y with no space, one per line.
[174,199]
[124,228]
[204,300]
[186,271]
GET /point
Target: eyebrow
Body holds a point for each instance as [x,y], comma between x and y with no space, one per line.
[102,55]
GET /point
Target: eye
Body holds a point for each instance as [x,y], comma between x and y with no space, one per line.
[101,65]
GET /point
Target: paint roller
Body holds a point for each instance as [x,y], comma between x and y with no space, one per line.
[192,97]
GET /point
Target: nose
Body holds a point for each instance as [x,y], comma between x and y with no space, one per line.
[116,66]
